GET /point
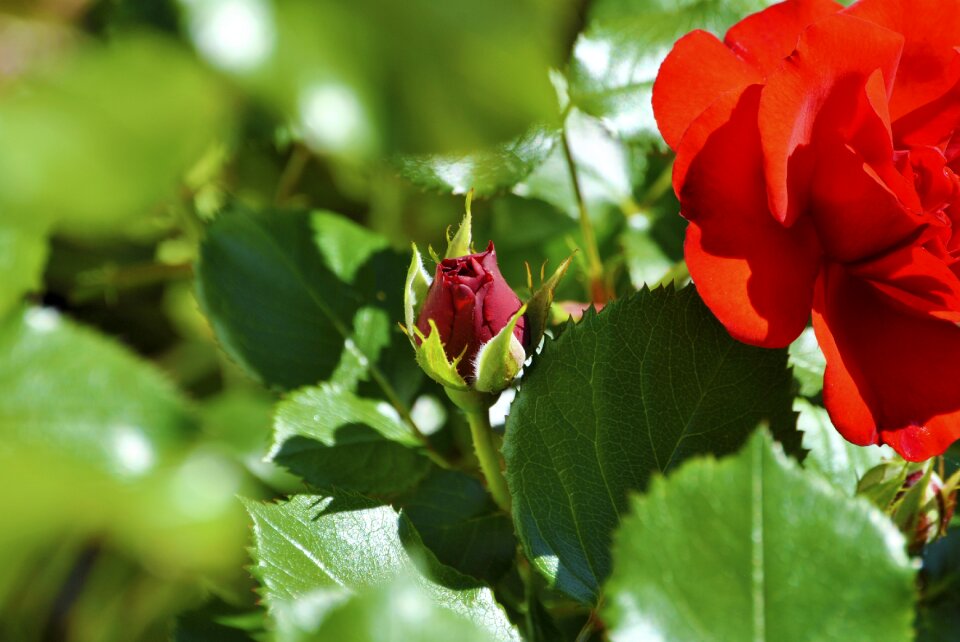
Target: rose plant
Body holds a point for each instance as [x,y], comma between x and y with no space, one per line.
[236,404]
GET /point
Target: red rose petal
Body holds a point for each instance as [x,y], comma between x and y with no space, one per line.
[697,71]
[755,275]
[930,65]
[891,376]
[765,38]
[838,51]
[915,279]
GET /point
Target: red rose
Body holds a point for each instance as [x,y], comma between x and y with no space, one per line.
[470,302]
[818,153]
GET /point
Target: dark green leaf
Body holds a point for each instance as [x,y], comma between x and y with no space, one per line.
[313,552]
[626,393]
[752,548]
[275,305]
[461,525]
[336,440]
[938,618]
[615,60]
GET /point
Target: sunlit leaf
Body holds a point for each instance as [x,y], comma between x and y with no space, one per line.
[752,548]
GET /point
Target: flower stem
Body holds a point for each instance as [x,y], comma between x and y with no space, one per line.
[598,291]
[488,456]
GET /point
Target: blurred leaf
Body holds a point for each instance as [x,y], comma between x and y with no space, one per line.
[752,548]
[65,386]
[276,307]
[808,363]
[379,76]
[841,462]
[313,552]
[624,394]
[335,440]
[486,172]
[240,420]
[647,263]
[457,520]
[93,445]
[106,135]
[398,611]
[23,252]
[616,58]
[605,167]
[344,245]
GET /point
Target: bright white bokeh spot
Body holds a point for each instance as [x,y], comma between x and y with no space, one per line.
[333,118]
[42,320]
[500,409]
[639,222]
[429,414]
[388,411]
[133,450]
[236,35]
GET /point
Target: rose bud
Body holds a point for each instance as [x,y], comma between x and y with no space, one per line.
[470,302]
[933,514]
[470,331]
[915,498]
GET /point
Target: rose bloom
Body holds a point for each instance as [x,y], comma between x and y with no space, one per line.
[818,153]
[470,302]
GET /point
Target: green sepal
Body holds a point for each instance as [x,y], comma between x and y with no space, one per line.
[882,483]
[415,291]
[433,360]
[500,359]
[461,243]
[539,306]
[908,509]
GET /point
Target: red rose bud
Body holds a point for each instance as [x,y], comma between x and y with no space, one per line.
[933,514]
[470,302]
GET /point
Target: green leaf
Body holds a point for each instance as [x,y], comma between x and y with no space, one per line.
[313,552]
[808,363]
[23,253]
[92,447]
[486,172]
[344,245]
[841,462]
[72,155]
[624,394]
[401,610]
[616,58]
[94,399]
[752,548]
[460,524]
[275,305]
[336,440]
